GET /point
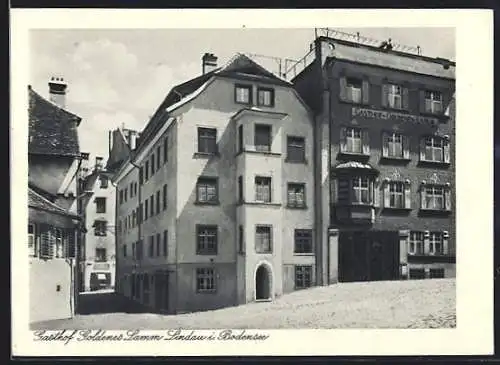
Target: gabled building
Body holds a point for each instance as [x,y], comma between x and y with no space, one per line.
[215,207]
[385,147]
[53,225]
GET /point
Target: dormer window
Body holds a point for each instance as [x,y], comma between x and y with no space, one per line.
[243,94]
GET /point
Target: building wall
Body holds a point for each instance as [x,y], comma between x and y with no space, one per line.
[92,241]
[48,172]
[341,115]
[51,283]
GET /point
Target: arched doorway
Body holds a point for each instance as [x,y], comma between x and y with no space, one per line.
[263,283]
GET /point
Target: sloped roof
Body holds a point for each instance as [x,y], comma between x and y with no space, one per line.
[37,201]
[52,130]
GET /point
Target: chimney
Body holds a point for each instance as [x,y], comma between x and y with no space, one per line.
[98,163]
[132,139]
[57,91]
[209,62]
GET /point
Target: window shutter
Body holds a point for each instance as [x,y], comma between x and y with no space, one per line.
[407,195]
[365,139]
[406,98]
[376,195]
[423,203]
[422,149]
[446,237]
[422,101]
[426,243]
[343,132]
[387,197]
[385,94]
[447,198]
[406,146]
[446,151]
[366,92]
[385,145]
[343,89]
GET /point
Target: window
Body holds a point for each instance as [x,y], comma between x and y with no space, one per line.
[416,243]
[100,228]
[134,218]
[243,94]
[263,189]
[417,274]
[146,211]
[158,243]
[361,190]
[303,276]
[165,243]
[396,194]
[240,189]
[151,246]
[124,250]
[158,159]
[131,189]
[433,102]
[436,243]
[394,96]
[296,195]
[303,241]
[152,205]
[165,150]
[146,171]
[435,149]
[395,145]
[296,151]
[207,140]
[100,205]
[103,182]
[121,197]
[164,196]
[240,138]
[436,273]
[241,239]
[263,239]
[31,240]
[265,97]
[206,240]
[158,206]
[354,140]
[100,255]
[353,90]
[125,193]
[205,280]
[207,190]
[141,175]
[152,164]
[433,197]
[262,138]
[119,227]
[139,213]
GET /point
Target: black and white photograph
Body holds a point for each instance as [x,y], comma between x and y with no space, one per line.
[245,180]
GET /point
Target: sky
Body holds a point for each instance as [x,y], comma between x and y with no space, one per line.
[119,77]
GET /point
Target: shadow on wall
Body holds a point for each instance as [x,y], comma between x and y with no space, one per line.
[108,302]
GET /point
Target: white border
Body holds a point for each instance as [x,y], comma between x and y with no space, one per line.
[474,172]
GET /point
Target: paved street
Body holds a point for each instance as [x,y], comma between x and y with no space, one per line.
[106,301]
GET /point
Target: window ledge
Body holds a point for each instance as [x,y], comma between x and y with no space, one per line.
[396,209]
[264,253]
[206,292]
[307,254]
[393,158]
[435,210]
[205,155]
[435,163]
[439,115]
[357,154]
[297,207]
[206,254]
[260,203]
[368,205]
[207,203]
[266,153]
[302,162]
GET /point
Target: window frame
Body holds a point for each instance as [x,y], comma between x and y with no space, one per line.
[97,257]
[437,143]
[417,240]
[433,102]
[266,148]
[103,232]
[103,182]
[209,138]
[292,145]
[259,248]
[247,87]
[207,182]
[390,92]
[209,275]
[301,271]
[303,241]
[272,96]
[258,181]
[293,203]
[349,89]
[203,248]
[353,138]
[97,206]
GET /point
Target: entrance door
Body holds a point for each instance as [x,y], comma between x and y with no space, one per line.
[262,283]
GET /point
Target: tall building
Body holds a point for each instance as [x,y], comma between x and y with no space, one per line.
[215,207]
[53,223]
[385,147]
